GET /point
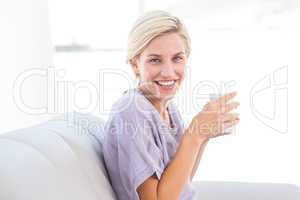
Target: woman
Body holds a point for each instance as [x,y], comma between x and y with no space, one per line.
[148,152]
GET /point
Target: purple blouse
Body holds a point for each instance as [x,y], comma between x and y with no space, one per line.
[138,144]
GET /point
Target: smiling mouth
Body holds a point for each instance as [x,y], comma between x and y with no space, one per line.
[166,83]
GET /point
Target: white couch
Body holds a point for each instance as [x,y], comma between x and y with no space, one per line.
[61,160]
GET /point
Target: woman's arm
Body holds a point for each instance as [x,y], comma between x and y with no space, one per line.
[177,173]
[210,123]
[199,156]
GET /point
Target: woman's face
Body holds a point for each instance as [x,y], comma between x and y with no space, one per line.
[161,66]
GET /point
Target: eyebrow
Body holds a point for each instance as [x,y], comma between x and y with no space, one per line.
[157,55]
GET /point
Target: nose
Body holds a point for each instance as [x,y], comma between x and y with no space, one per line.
[168,71]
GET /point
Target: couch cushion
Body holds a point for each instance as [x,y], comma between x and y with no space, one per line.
[59,159]
[212,190]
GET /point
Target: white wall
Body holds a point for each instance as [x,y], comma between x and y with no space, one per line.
[247,42]
[25,44]
[244,43]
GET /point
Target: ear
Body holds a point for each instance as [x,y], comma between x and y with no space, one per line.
[134,65]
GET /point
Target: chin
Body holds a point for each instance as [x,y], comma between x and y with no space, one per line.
[160,93]
[166,97]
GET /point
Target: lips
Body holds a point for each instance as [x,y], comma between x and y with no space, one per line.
[166,84]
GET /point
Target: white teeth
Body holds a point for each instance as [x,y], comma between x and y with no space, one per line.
[166,82]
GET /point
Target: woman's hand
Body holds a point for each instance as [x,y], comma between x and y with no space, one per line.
[214,118]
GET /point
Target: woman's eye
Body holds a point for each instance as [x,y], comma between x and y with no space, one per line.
[154,60]
[177,59]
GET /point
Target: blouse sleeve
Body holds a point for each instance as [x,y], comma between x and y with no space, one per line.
[139,156]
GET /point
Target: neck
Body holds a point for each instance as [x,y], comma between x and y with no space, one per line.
[160,105]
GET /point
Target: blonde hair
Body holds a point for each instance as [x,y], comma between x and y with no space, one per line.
[153,24]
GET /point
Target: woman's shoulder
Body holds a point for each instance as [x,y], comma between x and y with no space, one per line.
[130,105]
[129,115]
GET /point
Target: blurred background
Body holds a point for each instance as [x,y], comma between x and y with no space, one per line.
[63,56]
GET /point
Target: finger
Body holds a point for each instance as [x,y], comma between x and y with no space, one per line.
[225,98]
[221,103]
[229,107]
[221,131]
[229,117]
[231,123]
[225,108]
